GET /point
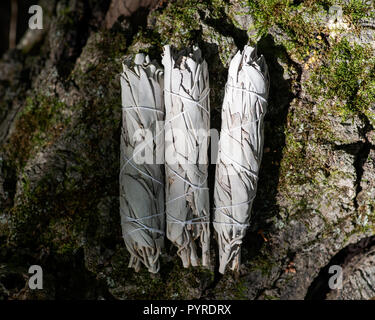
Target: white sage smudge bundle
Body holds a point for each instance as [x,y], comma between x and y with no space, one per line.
[142,157]
[187,120]
[240,152]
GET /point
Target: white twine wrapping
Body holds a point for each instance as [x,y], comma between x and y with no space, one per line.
[186,84]
[142,184]
[240,152]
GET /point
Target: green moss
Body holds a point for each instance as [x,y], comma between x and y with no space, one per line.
[343,72]
[303,23]
[358,10]
[361,230]
[172,282]
[36,210]
[39,124]
[97,74]
[179,23]
[300,23]
[301,162]
[59,208]
[66,17]
[112,44]
[241,290]
[263,262]
[147,41]
[346,76]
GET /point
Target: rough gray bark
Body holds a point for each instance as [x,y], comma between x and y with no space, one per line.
[357,278]
[60,120]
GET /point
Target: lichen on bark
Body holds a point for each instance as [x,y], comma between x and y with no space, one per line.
[60,115]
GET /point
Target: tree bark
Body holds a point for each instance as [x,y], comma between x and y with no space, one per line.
[60,120]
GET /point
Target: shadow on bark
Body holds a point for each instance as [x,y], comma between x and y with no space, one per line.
[280,96]
[319,288]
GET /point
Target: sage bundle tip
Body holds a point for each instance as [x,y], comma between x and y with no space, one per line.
[240,152]
[187,120]
[142,156]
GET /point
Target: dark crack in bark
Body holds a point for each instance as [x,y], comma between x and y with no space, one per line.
[319,288]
